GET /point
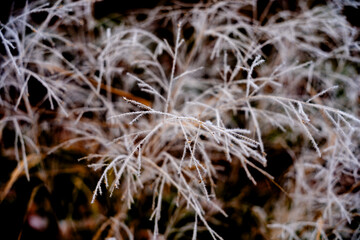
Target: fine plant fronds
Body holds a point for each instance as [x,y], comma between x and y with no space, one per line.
[167,106]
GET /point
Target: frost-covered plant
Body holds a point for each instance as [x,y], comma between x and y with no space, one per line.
[165,111]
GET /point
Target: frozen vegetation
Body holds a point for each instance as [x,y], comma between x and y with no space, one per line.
[160,113]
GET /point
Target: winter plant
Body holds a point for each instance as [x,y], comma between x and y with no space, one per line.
[157,114]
